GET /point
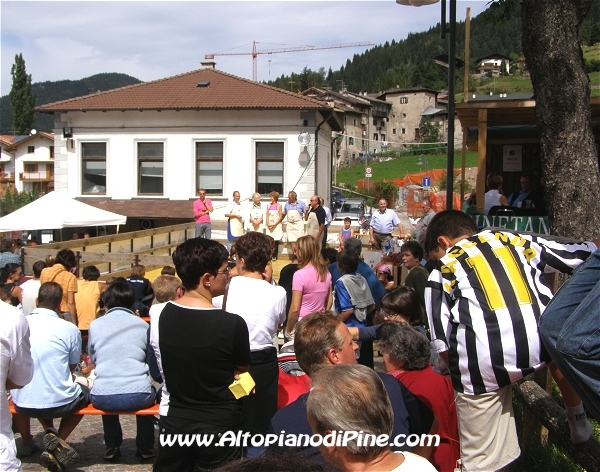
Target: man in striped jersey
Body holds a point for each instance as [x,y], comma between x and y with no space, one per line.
[484,300]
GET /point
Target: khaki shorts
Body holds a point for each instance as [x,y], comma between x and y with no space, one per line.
[488,435]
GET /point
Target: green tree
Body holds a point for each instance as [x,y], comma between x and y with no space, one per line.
[429,131]
[22,101]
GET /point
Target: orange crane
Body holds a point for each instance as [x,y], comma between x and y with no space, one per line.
[255,53]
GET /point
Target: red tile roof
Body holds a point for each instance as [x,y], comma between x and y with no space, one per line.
[200,89]
[43,134]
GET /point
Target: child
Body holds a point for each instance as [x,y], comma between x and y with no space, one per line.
[142,288]
[345,233]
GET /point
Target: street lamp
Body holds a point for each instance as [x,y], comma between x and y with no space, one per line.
[420,163]
[449,28]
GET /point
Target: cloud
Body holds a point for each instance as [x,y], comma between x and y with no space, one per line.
[155,39]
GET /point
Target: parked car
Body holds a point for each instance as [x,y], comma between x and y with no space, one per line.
[353,208]
[337,200]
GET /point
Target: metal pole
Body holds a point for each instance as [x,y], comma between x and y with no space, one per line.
[451,86]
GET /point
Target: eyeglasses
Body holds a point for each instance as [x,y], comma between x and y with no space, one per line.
[227,271]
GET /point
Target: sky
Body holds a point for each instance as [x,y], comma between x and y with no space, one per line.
[152,40]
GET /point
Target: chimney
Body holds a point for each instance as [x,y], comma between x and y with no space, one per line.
[209,65]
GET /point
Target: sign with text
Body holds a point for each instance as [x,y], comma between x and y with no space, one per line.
[512,158]
[426,181]
[532,224]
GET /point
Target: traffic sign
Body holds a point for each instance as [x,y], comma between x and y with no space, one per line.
[368,176]
[368,170]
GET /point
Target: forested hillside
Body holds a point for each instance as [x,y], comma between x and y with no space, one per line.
[47,92]
[409,62]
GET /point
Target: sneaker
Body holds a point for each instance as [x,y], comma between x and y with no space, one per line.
[145,453]
[112,453]
[51,462]
[59,448]
[26,449]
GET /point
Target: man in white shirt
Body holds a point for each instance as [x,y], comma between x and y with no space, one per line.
[16,371]
[382,225]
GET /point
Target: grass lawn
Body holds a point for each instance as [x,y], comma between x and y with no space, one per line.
[397,168]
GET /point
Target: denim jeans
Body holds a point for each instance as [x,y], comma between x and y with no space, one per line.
[203,230]
[570,331]
[113,435]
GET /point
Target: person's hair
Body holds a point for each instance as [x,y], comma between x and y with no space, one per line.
[316,334]
[167,270]
[138,270]
[403,301]
[119,294]
[414,248]
[347,262]
[6,244]
[67,258]
[196,257]
[449,223]
[50,261]
[404,344]
[201,190]
[165,287]
[5,296]
[329,254]
[50,296]
[275,195]
[281,461]
[351,398]
[310,255]
[91,273]
[256,249]
[8,270]
[494,181]
[347,220]
[255,194]
[37,268]
[294,194]
[353,245]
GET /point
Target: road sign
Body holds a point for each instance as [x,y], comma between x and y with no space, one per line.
[426,181]
[368,176]
[368,170]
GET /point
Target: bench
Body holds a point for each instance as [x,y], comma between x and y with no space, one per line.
[90,410]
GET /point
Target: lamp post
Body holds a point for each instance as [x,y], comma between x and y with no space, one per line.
[449,28]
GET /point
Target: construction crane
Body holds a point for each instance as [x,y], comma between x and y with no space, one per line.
[255,52]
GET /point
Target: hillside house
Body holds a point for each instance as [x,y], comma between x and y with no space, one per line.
[492,64]
[144,150]
[408,107]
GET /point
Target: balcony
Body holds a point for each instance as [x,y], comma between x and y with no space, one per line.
[45,176]
[7,177]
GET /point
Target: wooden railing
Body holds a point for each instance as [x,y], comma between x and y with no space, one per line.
[118,252]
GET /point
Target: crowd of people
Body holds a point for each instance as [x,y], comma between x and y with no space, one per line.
[453,338]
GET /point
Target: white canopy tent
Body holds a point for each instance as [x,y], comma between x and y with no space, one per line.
[55,211]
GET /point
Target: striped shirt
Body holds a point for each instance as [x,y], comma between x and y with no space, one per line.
[484,301]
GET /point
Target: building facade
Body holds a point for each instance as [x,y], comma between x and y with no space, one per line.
[145,150]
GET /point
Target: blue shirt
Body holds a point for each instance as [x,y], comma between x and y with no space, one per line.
[299,205]
[55,343]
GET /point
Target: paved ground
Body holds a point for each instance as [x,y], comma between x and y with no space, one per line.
[88,440]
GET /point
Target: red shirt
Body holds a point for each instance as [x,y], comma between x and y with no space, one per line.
[437,393]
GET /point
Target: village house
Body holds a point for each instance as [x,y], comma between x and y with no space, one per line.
[144,150]
[364,123]
[27,163]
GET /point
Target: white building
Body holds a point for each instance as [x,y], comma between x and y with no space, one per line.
[28,163]
[145,150]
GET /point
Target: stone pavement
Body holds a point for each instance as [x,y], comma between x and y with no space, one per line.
[88,440]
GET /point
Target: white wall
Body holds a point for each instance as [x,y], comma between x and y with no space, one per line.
[239,131]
